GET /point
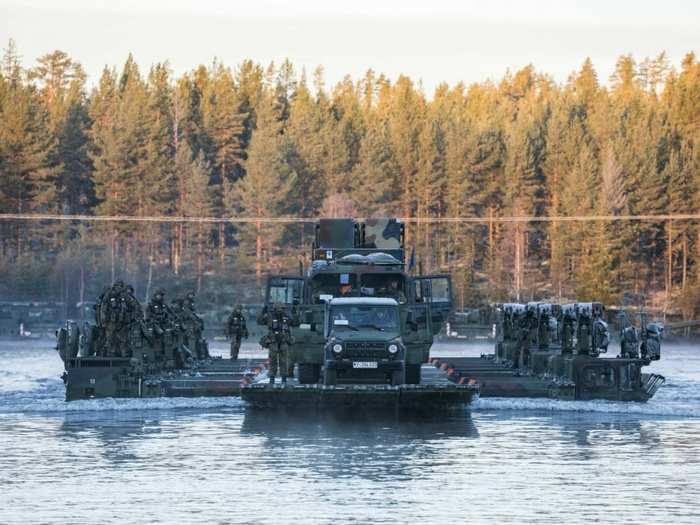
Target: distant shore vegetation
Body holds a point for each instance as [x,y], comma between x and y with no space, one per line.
[269,141]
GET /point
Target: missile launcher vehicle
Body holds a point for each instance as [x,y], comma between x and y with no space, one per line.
[548,350]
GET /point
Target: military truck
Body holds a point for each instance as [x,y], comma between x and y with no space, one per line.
[363,341]
[548,350]
[362,262]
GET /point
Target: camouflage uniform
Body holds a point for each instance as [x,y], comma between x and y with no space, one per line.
[179,318]
[134,308]
[584,334]
[651,345]
[159,319]
[236,329]
[629,341]
[158,313]
[277,340]
[568,324]
[522,353]
[194,327]
[114,318]
[131,315]
[601,336]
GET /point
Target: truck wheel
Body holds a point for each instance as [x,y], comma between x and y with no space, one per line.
[308,373]
[398,377]
[330,377]
[413,374]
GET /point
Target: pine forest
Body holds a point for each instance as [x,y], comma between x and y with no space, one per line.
[273,141]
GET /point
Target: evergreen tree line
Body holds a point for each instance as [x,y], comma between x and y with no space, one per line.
[266,142]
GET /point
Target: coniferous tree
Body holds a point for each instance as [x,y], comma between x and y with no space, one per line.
[263,192]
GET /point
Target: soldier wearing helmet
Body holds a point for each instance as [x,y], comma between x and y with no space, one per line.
[236,329]
[193,327]
[278,340]
[158,313]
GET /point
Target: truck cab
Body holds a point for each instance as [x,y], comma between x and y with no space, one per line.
[364,342]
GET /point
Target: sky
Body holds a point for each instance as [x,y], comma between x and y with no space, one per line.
[431,41]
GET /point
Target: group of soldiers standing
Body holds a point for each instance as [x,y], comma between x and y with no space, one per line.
[180,315]
[119,314]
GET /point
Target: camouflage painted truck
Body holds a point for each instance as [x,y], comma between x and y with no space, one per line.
[367,325]
[549,350]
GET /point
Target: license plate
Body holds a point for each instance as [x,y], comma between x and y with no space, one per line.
[364,364]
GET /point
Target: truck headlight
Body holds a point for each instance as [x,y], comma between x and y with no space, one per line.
[337,348]
[393,348]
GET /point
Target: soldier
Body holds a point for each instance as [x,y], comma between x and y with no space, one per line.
[158,313]
[177,307]
[584,329]
[629,338]
[651,343]
[236,329]
[194,326]
[601,336]
[525,330]
[134,308]
[113,316]
[179,320]
[278,339]
[392,290]
[189,302]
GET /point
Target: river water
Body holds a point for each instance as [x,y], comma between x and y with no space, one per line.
[213,461]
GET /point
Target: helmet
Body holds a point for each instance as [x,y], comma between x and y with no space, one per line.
[237,308]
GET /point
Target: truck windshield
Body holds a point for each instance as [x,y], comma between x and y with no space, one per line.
[355,317]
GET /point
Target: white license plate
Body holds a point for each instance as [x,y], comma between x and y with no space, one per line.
[364,364]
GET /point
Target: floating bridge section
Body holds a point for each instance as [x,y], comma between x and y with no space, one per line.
[494,379]
[435,392]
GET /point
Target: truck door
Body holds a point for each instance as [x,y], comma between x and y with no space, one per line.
[416,331]
[435,290]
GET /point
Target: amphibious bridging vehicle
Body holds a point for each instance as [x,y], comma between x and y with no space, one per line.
[548,350]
